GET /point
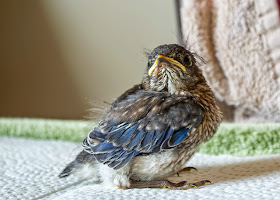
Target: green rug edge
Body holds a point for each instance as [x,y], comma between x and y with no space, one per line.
[231,138]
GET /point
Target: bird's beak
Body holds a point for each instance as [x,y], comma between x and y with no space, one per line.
[164,59]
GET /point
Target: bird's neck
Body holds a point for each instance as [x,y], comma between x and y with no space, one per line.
[213,115]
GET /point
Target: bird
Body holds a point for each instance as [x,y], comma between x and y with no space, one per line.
[152,130]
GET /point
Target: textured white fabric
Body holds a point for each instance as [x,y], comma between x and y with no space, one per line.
[29,170]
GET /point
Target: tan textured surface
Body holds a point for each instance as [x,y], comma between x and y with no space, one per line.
[240,41]
[29,170]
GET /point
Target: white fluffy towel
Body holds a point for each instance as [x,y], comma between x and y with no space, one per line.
[240,40]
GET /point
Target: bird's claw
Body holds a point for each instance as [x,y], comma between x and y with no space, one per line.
[187,169]
[122,187]
[184,185]
[166,184]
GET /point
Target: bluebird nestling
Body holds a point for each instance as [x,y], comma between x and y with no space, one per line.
[154,128]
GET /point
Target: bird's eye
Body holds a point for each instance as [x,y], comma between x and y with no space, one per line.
[187,60]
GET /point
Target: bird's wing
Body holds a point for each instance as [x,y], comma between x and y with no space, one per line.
[142,123]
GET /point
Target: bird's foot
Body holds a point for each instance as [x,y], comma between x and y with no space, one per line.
[167,184]
[122,187]
[187,169]
[184,185]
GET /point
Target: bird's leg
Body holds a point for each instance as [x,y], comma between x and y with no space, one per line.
[166,184]
[186,169]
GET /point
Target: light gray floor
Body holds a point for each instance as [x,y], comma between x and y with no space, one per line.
[29,169]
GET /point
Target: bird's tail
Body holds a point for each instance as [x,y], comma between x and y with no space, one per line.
[69,169]
[82,159]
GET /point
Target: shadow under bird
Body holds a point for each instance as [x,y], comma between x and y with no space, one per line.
[153,129]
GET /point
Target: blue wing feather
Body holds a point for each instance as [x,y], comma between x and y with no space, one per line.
[124,161]
[127,135]
[104,157]
[158,134]
[104,147]
[118,157]
[135,140]
[178,137]
[125,141]
[97,134]
[164,135]
[142,135]
[109,126]
[148,139]
[116,133]
[164,144]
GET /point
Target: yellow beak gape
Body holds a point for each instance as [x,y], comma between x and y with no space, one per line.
[170,60]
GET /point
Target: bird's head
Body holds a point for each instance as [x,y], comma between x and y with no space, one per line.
[173,69]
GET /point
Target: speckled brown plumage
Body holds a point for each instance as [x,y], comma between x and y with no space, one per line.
[152,130]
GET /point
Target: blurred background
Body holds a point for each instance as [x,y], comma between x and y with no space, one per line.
[57,57]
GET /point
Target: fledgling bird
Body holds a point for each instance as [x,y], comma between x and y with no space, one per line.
[154,128]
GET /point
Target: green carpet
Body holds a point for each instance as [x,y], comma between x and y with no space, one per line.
[234,139]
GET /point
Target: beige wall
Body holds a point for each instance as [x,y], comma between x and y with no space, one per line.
[58,56]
